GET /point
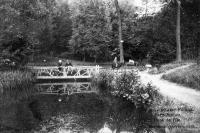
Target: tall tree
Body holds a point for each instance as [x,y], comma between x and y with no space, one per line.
[178,36]
[120,31]
[62,30]
[90,38]
[21,21]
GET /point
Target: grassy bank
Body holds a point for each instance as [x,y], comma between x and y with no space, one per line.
[189,76]
[15,85]
[165,67]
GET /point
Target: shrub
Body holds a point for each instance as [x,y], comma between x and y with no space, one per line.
[104,79]
[127,85]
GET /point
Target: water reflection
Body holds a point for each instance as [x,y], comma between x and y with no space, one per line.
[74,107]
[68,88]
[82,110]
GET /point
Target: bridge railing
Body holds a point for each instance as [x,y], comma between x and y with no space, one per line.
[66,72]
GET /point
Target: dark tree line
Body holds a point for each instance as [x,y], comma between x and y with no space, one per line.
[31,28]
[90,30]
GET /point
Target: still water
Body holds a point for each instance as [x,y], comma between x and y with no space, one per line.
[76,107]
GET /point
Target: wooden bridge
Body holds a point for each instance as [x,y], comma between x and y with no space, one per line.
[75,72]
[65,88]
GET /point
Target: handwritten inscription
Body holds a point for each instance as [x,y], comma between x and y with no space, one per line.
[175,118]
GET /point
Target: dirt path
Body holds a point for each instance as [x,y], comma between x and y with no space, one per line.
[173,90]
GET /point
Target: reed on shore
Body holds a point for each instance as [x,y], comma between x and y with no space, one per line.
[15,85]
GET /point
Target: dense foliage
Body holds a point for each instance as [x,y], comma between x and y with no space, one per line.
[31,28]
[88,30]
[127,85]
[164,31]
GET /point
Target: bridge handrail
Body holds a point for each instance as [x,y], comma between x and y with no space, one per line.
[53,72]
[55,67]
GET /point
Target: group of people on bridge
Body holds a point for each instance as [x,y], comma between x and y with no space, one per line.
[60,63]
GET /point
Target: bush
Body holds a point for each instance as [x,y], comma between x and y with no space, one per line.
[104,80]
[189,76]
[127,85]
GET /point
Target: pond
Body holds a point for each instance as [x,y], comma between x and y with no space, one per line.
[75,107]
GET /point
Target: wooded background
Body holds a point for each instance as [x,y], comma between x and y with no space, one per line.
[89,30]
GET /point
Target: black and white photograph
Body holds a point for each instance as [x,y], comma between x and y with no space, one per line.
[99,66]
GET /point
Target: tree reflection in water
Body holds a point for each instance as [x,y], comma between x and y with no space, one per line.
[93,113]
[27,110]
[88,112]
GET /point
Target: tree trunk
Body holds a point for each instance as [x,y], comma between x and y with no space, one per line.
[198,41]
[178,38]
[198,50]
[146,10]
[120,32]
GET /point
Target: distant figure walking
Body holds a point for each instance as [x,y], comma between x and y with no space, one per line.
[60,65]
[115,63]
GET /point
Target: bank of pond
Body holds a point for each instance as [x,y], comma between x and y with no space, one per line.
[108,103]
